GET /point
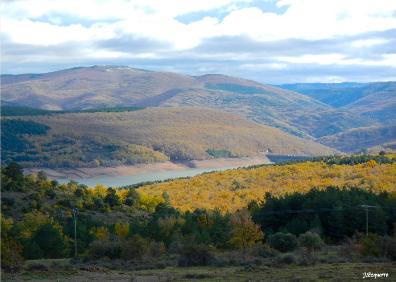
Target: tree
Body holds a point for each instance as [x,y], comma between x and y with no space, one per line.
[14,171]
[11,255]
[121,229]
[310,241]
[50,241]
[244,232]
[112,198]
[132,198]
[100,233]
[283,242]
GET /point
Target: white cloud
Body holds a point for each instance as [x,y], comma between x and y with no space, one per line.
[325,59]
[43,23]
[368,42]
[304,19]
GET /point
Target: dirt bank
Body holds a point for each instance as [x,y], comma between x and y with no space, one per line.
[77,173]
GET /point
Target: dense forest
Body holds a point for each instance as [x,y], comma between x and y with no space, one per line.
[43,219]
[234,189]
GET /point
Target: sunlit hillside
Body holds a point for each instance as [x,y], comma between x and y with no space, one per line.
[233,189]
[143,136]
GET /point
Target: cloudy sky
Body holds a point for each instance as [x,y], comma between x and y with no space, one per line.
[271,41]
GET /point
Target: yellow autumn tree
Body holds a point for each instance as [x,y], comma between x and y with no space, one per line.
[245,232]
[100,233]
[121,229]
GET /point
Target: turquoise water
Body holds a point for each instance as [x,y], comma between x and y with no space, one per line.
[116,181]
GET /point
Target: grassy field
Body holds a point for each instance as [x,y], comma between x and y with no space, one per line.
[320,272]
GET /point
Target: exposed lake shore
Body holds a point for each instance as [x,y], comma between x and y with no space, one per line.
[126,170]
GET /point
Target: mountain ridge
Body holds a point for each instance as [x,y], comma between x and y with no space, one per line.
[113,86]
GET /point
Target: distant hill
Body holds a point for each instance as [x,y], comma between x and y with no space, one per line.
[356,139]
[144,136]
[376,101]
[115,86]
[387,147]
[340,94]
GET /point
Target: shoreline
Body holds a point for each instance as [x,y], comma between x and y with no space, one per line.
[130,170]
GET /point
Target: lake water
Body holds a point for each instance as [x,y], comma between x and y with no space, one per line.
[123,180]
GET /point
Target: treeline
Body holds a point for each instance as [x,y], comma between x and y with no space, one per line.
[12,131]
[28,111]
[38,222]
[336,213]
[22,141]
[381,158]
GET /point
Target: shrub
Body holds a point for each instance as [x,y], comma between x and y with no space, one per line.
[283,242]
[33,251]
[134,248]
[310,241]
[389,247]
[195,255]
[285,259]
[105,248]
[156,249]
[11,255]
[370,245]
[264,251]
[37,267]
[307,259]
[50,241]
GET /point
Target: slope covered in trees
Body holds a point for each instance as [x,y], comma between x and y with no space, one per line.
[150,135]
[234,189]
[136,228]
[354,140]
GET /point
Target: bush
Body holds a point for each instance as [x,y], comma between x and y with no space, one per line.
[195,255]
[105,248]
[264,251]
[156,249]
[389,247]
[50,241]
[11,255]
[307,259]
[285,259]
[37,267]
[310,241]
[370,245]
[134,248]
[283,242]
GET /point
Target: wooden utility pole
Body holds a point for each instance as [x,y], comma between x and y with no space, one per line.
[367,207]
[75,231]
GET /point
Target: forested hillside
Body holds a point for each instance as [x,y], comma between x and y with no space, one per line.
[156,227]
[234,189]
[357,139]
[150,135]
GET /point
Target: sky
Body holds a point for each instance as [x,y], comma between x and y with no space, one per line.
[270,41]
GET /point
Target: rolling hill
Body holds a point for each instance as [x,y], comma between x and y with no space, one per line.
[234,189]
[142,136]
[376,101]
[114,86]
[356,139]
